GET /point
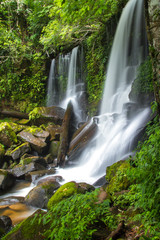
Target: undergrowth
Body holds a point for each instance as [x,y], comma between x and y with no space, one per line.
[78,217]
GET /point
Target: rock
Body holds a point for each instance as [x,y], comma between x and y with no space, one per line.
[49,159]
[16,127]
[41,115]
[33,176]
[5,224]
[20,150]
[37,144]
[39,196]
[53,149]
[66,134]
[7,135]
[7,180]
[100,182]
[33,159]
[51,179]
[54,132]
[20,170]
[80,140]
[67,190]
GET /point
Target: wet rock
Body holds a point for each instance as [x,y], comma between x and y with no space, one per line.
[5,224]
[20,150]
[80,140]
[4,202]
[39,196]
[100,182]
[66,135]
[41,115]
[7,135]
[36,143]
[54,132]
[33,176]
[19,171]
[7,180]
[51,179]
[85,187]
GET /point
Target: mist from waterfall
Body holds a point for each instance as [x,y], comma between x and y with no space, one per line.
[121,121]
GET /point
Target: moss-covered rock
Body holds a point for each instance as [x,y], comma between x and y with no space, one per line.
[27,231]
[65,191]
[20,151]
[39,196]
[117,177]
[53,149]
[42,115]
[7,135]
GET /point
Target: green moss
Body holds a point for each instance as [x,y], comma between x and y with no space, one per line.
[3,172]
[34,129]
[6,129]
[2,150]
[120,180]
[34,114]
[65,191]
[25,161]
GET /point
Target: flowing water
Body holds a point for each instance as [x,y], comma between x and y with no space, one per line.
[51,89]
[121,121]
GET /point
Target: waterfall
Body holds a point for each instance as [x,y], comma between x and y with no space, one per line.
[51,89]
[75,85]
[121,120]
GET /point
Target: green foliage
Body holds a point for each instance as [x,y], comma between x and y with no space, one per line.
[77,217]
[144,194]
[143,85]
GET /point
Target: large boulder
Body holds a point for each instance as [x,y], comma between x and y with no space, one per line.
[36,143]
[41,115]
[39,196]
[7,180]
[7,135]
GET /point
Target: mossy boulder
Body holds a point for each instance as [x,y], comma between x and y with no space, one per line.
[118,179]
[67,190]
[39,196]
[42,115]
[7,135]
[28,229]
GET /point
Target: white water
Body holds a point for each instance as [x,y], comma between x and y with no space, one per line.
[51,89]
[118,126]
[75,84]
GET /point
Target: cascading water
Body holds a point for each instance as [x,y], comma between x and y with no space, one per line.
[51,89]
[75,85]
[121,120]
